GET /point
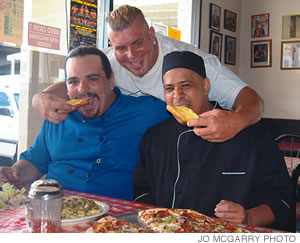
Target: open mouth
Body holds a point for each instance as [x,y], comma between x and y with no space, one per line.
[136,64]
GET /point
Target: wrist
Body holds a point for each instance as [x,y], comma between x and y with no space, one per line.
[246,219]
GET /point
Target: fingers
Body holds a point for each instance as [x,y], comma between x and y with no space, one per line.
[50,104]
[230,211]
[9,175]
[55,117]
[215,125]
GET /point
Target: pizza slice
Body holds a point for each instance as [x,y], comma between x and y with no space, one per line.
[111,224]
[76,103]
[183,113]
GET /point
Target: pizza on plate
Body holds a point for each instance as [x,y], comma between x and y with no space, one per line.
[165,220]
[111,224]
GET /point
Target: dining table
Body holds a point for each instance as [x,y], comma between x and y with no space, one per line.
[13,220]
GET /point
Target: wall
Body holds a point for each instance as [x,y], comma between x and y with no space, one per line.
[232,5]
[280,89]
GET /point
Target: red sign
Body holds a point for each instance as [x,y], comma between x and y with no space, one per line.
[43,36]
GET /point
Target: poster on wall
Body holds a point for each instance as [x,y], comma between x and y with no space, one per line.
[11,21]
[83,23]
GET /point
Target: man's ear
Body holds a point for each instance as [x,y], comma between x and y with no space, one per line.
[112,81]
[206,85]
[152,33]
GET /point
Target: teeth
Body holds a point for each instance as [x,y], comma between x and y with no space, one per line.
[137,62]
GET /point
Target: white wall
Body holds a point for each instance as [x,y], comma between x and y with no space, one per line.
[280,89]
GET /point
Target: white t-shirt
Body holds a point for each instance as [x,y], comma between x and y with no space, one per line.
[225,85]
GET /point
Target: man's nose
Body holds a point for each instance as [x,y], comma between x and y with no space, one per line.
[131,52]
[83,86]
[178,92]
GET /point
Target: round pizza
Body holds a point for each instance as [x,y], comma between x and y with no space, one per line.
[164,220]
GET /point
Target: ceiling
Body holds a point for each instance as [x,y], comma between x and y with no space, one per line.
[4,64]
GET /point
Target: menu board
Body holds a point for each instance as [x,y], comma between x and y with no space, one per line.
[83,23]
[11,21]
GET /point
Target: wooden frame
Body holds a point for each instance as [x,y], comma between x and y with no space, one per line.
[215,17]
[291,26]
[260,25]
[261,53]
[215,44]
[290,55]
[230,50]
[229,20]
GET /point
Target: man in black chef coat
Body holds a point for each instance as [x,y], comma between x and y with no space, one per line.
[243,180]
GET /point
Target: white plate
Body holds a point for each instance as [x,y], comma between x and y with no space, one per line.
[105,209]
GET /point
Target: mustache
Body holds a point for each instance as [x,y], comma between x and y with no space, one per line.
[88,95]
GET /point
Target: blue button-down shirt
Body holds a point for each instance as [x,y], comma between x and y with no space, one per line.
[97,156]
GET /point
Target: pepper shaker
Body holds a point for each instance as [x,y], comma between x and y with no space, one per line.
[45,203]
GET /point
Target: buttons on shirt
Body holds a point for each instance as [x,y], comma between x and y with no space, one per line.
[80,140]
[89,175]
[101,139]
[83,121]
[70,171]
[98,161]
[102,119]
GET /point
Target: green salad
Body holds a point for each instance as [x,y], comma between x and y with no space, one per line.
[10,195]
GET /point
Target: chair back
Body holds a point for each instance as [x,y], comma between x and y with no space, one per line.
[289,144]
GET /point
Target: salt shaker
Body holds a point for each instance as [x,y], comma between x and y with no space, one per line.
[44,209]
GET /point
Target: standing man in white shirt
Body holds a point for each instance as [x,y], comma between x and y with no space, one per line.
[136,56]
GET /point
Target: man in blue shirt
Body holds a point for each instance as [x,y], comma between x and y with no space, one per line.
[96,149]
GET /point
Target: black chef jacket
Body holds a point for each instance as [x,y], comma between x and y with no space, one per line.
[178,169]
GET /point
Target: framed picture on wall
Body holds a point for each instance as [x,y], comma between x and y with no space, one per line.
[215,17]
[261,53]
[229,20]
[260,25]
[291,26]
[230,50]
[215,44]
[290,55]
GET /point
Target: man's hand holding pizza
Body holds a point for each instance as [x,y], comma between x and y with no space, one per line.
[48,104]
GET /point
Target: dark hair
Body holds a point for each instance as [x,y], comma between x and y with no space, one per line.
[88,50]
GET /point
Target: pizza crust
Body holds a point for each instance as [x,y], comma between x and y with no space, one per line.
[183,113]
[76,103]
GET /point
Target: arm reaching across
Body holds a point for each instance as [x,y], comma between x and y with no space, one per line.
[49,101]
[261,215]
[220,125]
[20,173]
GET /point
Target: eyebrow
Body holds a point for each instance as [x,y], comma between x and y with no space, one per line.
[132,43]
[180,82]
[86,76]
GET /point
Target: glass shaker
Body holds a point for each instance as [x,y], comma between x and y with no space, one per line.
[44,206]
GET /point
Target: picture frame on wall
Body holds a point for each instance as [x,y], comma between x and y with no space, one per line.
[261,53]
[230,20]
[290,26]
[260,25]
[215,43]
[215,17]
[290,55]
[230,50]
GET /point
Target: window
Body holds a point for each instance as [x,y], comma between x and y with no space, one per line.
[171,13]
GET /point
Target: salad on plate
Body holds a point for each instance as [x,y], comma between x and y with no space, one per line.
[10,196]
